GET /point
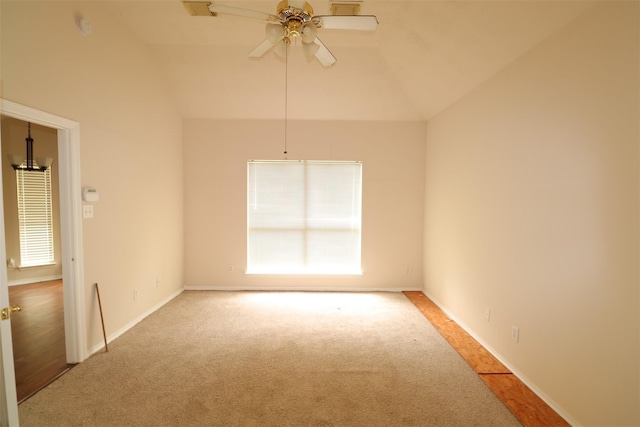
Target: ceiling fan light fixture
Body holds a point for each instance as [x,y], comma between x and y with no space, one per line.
[274,32]
[308,33]
[280,49]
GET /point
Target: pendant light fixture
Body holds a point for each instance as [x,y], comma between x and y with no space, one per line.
[40,164]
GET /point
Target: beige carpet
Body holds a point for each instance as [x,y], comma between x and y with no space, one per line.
[273,359]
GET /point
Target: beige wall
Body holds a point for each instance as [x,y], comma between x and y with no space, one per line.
[532,211]
[216,154]
[131,147]
[45,144]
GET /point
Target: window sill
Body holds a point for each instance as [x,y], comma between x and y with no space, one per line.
[302,273]
[30,267]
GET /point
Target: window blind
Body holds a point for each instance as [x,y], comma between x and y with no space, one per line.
[304,217]
[35,217]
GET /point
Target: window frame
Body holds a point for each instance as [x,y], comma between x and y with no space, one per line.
[310,264]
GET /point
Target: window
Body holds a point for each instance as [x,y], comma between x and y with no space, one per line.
[34,217]
[304,217]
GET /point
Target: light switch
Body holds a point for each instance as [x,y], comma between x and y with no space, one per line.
[87,211]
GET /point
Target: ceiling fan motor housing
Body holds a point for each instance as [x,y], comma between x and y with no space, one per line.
[296,21]
[285,11]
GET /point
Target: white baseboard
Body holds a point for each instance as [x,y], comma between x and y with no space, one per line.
[133,323]
[297,289]
[515,372]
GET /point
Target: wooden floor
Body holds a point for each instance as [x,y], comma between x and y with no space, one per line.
[38,336]
[520,399]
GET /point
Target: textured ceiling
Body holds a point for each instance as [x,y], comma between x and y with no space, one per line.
[424,56]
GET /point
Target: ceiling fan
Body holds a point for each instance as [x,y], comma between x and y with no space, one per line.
[293,18]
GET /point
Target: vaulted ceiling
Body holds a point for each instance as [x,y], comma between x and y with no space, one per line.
[423,57]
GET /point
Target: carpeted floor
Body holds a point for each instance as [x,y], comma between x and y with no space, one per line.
[273,359]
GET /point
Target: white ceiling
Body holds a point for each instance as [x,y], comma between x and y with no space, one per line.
[424,56]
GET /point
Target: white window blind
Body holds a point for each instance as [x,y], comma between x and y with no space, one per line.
[304,217]
[35,218]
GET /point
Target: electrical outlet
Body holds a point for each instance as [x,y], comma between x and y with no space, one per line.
[230,268]
[487,314]
[515,333]
[135,294]
[407,270]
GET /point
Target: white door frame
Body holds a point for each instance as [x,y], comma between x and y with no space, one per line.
[70,224]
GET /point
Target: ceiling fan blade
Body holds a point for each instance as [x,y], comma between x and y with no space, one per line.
[323,54]
[261,49]
[197,8]
[237,11]
[348,22]
[310,50]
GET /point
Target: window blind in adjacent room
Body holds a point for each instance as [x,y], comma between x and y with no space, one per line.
[35,217]
[304,217]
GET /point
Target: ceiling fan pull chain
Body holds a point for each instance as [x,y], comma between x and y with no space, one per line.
[286,95]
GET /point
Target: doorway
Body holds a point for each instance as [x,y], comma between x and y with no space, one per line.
[33,251]
[68,132]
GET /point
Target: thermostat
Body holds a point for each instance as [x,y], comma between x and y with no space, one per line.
[90,194]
